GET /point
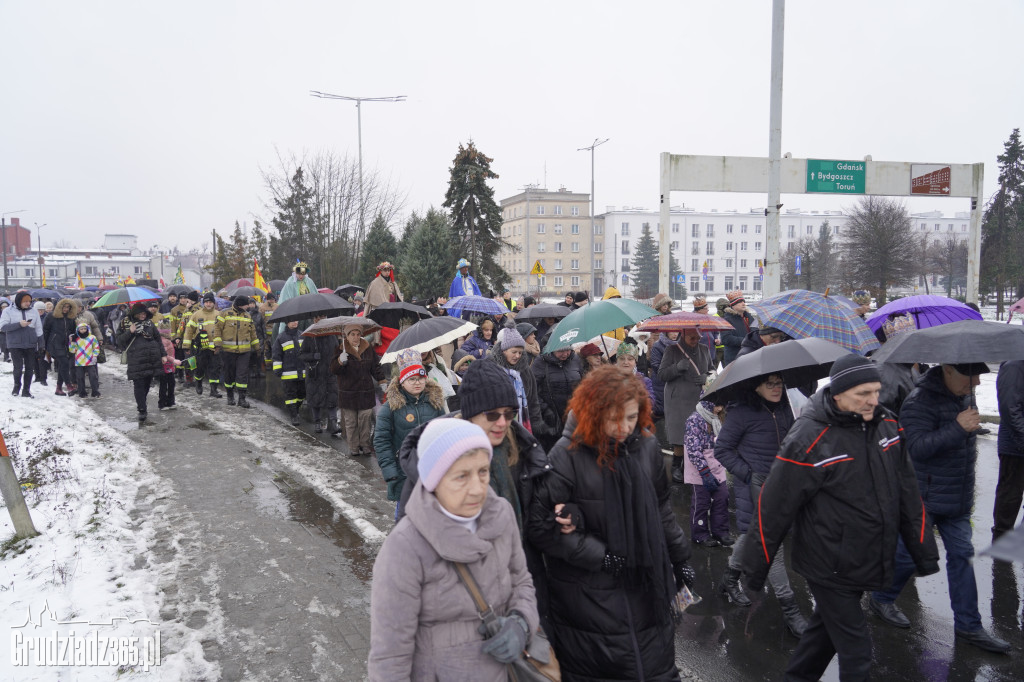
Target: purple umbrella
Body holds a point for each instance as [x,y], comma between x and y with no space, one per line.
[927,311]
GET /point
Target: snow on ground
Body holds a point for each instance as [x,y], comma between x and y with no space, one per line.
[80,479]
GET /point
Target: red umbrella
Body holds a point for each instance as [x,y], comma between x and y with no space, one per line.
[325,290]
[677,322]
[241,282]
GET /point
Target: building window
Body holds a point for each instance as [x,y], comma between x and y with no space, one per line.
[743,229]
[558,281]
[936,227]
[694,283]
[743,262]
[757,284]
[710,230]
[541,247]
[574,264]
[791,231]
[558,264]
[598,228]
[743,283]
[558,247]
[949,228]
[728,263]
[711,264]
[90,270]
[575,210]
[541,228]
[543,280]
[625,246]
[757,246]
[675,245]
[728,229]
[923,227]
[625,265]
[558,228]
[598,263]
[558,210]
[695,263]
[743,246]
[695,230]
[675,228]
[709,249]
[575,247]
[694,249]
[808,229]
[625,229]
[709,283]
[575,228]
[540,209]
[728,282]
[138,269]
[728,246]
[115,269]
[574,281]
[835,230]
[598,247]
[963,228]
[757,229]
[543,262]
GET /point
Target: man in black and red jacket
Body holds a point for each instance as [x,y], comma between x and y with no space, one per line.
[846,482]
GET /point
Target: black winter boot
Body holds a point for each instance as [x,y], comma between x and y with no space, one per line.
[231,396]
[317,426]
[732,589]
[677,469]
[332,423]
[214,392]
[293,410]
[793,618]
[242,402]
[199,387]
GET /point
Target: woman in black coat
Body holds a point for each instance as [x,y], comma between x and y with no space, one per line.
[145,351]
[557,375]
[615,555]
[58,327]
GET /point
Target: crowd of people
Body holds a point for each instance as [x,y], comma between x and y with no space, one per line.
[543,473]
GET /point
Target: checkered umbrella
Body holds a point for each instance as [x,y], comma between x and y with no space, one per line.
[819,316]
[474,304]
[677,322]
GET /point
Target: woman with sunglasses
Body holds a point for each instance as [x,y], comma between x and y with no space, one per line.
[615,555]
[746,446]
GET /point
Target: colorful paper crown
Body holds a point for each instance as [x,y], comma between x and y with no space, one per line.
[898,324]
[862,297]
[301,267]
[385,266]
[463,263]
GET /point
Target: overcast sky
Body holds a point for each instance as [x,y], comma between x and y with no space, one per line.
[155,118]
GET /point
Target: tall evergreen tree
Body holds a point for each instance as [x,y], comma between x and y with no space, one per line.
[1003,227]
[380,245]
[476,218]
[238,254]
[676,290]
[644,266]
[258,246]
[295,222]
[220,268]
[431,246]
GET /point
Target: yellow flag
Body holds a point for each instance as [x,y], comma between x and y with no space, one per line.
[257,277]
[44,277]
[78,276]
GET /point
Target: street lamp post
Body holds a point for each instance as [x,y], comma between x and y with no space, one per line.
[597,143]
[3,229]
[39,248]
[359,117]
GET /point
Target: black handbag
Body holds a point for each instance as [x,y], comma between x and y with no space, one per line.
[537,662]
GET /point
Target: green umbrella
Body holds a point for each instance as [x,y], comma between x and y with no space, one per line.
[597,318]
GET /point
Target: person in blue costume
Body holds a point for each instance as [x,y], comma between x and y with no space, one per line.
[299,283]
[463,284]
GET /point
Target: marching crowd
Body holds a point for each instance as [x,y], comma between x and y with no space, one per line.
[536,479]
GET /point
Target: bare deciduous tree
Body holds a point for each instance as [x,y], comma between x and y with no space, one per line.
[879,248]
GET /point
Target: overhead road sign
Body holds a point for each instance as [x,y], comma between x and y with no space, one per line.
[931,179]
[835,177]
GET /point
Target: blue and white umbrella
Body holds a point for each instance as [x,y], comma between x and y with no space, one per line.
[474,304]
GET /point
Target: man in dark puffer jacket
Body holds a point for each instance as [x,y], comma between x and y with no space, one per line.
[939,429]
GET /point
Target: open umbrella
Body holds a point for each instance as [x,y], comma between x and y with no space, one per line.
[392,313]
[820,316]
[248,291]
[798,362]
[597,318]
[348,289]
[790,295]
[957,342]
[126,295]
[240,282]
[276,284]
[107,287]
[44,293]
[539,312]
[474,304]
[927,311]
[325,290]
[85,295]
[335,326]
[428,334]
[178,289]
[307,306]
[676,322]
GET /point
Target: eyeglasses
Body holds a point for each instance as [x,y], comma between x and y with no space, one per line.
[416,377]
[773,384]
[495,415]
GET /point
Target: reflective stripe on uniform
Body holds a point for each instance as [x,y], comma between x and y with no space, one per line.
[288,346]
[294,374]
[277,365]
[293,401]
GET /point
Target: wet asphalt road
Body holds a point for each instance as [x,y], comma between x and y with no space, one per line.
[278,557]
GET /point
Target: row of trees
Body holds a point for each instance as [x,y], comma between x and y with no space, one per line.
[1002,232]
[317,218]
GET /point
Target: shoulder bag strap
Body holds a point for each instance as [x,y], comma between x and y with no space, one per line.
[483,608]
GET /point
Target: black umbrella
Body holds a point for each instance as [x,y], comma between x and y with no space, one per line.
[428,334]
[798,362]
[179,289]
[276,284]
[348,289]
[307,306]
[247,291]
[954,343]
[539,312]
[391,314]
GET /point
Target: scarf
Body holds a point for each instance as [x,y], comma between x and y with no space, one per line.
[503,480]
[634,526]
[709,416]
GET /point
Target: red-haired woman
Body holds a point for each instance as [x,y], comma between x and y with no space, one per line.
[615,555]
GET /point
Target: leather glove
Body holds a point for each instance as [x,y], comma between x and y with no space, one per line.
[613,564]
[508,642]
[684,574]
[708,478]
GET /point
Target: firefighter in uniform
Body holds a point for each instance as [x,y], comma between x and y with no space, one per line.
[188,306]
[199,335]
[267,308]
[288,367]
[235,336]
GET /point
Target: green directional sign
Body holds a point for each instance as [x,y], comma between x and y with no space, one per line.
[835,177]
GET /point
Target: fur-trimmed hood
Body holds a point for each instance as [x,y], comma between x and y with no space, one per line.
[58,310]
[397,398]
